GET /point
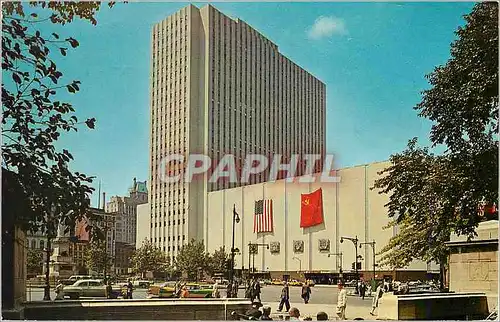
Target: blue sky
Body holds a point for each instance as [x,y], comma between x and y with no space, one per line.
[372,57]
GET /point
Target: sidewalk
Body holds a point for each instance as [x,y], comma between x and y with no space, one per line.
[311,310]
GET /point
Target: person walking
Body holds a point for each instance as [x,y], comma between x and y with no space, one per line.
[235,289]
[306,292]
[229,290]
[215,291]
[109,290]
[59,291]
[184,292]
[378,294]
[285,298]
[362,289]
[130,289]
[256,289]
[341,301]
[249,290]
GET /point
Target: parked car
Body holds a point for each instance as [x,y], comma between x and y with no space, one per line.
[90,288]
[72,279]
[167,289]
[141,283]
[163,290]
[294,283]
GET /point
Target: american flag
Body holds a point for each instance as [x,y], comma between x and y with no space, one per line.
[263,218]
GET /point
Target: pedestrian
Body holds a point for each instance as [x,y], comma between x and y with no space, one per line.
[341,301]
[294,314]
[378,294]
[306,292]
[249,290]
[59,291]
[285,297]
[266,314]
[184,292]
[256,289]
[362,289]
[229,290]
[215,291]
[177,289]
[235,289]
[322,316]
[130,288]
[109,290]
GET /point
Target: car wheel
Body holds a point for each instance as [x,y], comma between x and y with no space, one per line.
[74,296]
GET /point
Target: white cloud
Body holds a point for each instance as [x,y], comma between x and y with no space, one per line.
[325,27]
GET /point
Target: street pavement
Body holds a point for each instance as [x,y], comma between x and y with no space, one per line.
[321,297]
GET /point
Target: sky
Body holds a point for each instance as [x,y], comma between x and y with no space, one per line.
[373,58]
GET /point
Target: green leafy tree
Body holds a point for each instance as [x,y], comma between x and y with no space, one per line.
[432,196]
[34,261]
[463,105]
[33,118]
[97,259]
[421,186]
[218,261]
[192,259]
[149,258]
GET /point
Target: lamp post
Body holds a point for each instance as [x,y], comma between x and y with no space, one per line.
[250,252]
[372,243]
[236,219]
[300,264]
[355,241]
[340,267]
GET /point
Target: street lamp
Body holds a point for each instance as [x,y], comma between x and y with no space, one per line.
[372,243]
[338,255]
[300,263]
[355,241]
[250,252]
[236,219]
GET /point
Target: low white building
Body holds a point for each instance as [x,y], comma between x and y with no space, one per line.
[350,209]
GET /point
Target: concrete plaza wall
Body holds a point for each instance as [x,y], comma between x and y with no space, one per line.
[141,309]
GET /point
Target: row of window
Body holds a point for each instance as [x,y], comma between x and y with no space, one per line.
[169,238]
[170,223]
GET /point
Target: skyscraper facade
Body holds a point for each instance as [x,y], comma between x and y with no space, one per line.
[219,87]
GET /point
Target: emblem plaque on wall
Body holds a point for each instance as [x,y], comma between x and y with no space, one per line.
[275,247]
[324,245]
[298,246]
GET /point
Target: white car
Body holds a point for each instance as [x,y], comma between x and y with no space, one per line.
[89,288]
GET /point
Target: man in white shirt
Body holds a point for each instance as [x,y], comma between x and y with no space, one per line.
[341,301]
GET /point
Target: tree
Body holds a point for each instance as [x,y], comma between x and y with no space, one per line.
[149,258]
[33,118]
[39,191]
[432,196]
[463,104]
[192,259]
[97,258]
[34,261]
[218,261]
[421,186]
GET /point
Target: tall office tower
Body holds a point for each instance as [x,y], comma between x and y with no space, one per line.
[219,87]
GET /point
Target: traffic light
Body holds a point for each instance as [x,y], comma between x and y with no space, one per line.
[352,265]
[358,266]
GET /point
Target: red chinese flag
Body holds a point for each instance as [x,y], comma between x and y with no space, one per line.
[311,213]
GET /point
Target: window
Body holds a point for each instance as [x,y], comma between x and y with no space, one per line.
[33,243]
[42,244]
